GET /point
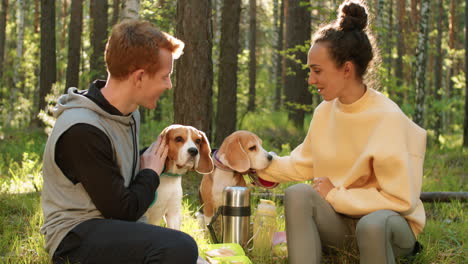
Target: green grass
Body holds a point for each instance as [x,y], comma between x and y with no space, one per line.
[444,237]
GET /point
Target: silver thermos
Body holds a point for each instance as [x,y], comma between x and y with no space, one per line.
[236,215]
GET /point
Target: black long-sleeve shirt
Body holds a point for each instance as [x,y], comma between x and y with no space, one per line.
[84,154]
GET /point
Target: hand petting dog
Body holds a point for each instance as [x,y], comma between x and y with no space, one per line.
[155,156]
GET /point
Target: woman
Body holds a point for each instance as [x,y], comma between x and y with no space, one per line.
[364,155]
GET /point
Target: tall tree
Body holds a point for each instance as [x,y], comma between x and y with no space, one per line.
[48,64]
[131,9]
[400,23]
[438,70]
[115,12]
[19,43]
[75,30]
[227,81]
[98,11]
[3,19]
[252,54]
[451,44]
[297,35]
[279,23]
[421,61]
[465,126]
[194,70]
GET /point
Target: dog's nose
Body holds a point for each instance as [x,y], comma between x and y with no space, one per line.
[269,157]
[193,151]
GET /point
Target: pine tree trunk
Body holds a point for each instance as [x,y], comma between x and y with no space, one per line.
[48,62]
[3,19]
[194,70]
[131,9]
[115,12]
[19,43]
[465,126]
[278,55]
[36,16]
[98,11]
[438,71]
[451,67]
[227,81]
[414,14]
[400,50]
[390,43]
[75,30]
[421,61]
[296,87]
[252,54]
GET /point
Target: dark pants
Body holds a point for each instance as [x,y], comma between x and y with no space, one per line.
[115,241]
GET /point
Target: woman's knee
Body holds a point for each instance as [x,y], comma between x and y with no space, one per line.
[373,225]
[299,192]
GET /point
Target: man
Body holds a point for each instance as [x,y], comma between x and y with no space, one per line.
[96,186]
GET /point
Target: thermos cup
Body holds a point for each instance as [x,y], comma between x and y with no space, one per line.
[236,215]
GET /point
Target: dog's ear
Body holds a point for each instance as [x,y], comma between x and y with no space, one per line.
[164,132]
[235,156]
[205,164]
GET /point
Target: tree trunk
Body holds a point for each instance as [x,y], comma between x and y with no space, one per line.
[227,81]
[131,9]
[390,43]
[75,30]
[400,51]
[36,16]
[465,126]
[98,12]
[63,26]
[278,55]
[421,61]
[115,12]
[296,87]
[194,70]
[252,54]
[438,71]
[19,44]
[3,19]
[414,14]
[48,62]
[18,82]
[451,66]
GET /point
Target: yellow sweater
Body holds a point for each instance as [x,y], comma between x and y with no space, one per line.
[371,152]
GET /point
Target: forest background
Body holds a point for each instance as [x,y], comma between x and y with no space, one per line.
[244,67]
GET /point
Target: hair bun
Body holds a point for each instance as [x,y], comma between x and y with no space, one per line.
[352,16]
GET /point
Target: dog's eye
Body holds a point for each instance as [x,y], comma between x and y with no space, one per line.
[253,148]
[179,139]
[198,141]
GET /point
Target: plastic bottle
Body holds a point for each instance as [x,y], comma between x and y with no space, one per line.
[264,228]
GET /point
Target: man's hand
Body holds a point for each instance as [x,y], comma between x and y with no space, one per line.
[155,156]
[323,186]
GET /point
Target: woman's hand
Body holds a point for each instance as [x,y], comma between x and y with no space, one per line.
[323,186]
[155,156]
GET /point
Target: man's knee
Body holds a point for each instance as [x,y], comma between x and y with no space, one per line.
[181,249]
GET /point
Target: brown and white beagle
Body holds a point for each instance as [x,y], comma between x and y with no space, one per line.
[189,149]
[240,153]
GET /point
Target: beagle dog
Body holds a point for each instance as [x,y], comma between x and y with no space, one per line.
[189,149]
[240,153]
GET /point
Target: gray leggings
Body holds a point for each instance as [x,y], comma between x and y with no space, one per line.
[312,222]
